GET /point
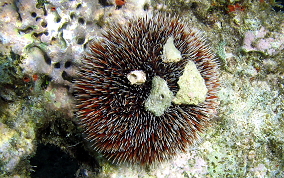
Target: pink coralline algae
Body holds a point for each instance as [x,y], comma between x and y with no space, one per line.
[269,43]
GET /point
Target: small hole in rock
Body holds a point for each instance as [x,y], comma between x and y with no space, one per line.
[44,24]
[33,14]
[67,64]
[146,7]
[36,35]
[81,40]
[72,15]
[118,7]
[79,6]
[67,77]
[58,19]
[81,21]
[194,5]
[105,3]
[57,65]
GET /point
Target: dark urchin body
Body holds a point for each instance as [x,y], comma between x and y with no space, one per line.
[111,110]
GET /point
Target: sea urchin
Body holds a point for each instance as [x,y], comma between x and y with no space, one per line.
[146,89]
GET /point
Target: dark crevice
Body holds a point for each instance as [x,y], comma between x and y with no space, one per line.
[46,79]
[57,19]
[72,15]
[16,3]
[33,14]
[81,21]
[26,30]
[66,76]
[80,40]
[105,3]
[57,65]
[47,59]
[78,6]
[68,64]
[51,161]
[43,24]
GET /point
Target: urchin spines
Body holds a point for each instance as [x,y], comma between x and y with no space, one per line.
[111,58]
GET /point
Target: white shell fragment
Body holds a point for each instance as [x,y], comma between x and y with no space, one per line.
[136,77]
[170,52]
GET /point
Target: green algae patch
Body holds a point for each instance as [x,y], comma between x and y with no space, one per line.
[192,86]
[160,97]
